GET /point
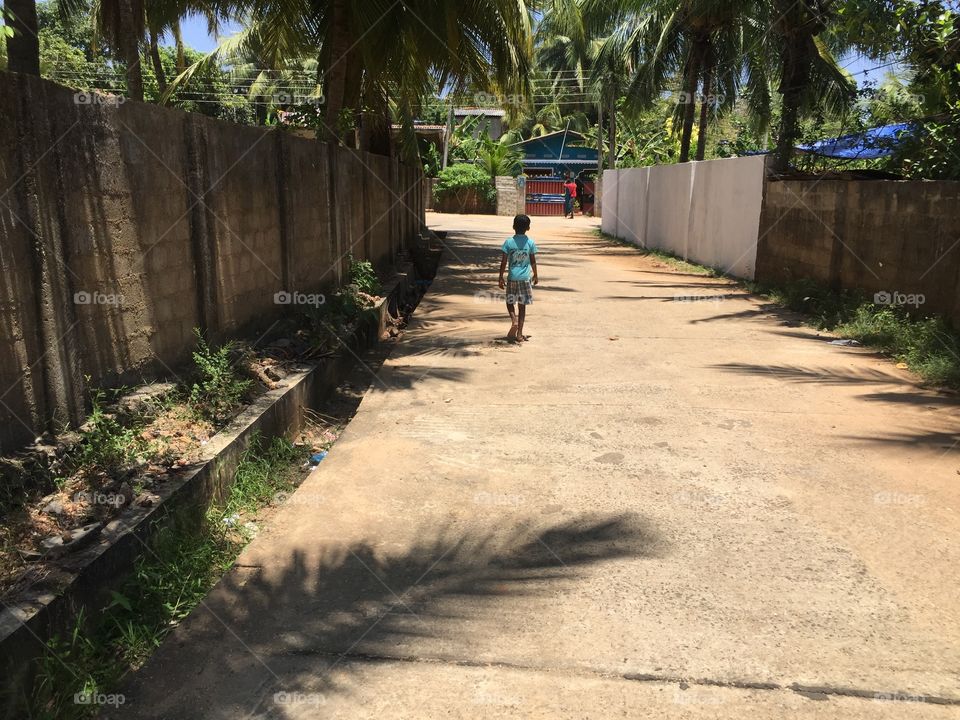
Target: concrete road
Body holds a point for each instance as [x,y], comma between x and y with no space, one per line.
[673,502]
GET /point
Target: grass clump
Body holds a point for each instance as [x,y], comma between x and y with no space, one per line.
[927,345]
[106,444]
[261,474]
[169,580]
[670,259]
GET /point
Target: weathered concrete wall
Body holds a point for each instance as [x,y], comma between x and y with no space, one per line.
[124,227]
[707,212]
[878,236]
[510,201]
[875,235]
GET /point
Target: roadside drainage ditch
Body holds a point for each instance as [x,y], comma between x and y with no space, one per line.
[87,578]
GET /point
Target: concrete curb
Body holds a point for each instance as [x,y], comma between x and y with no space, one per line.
[85,578]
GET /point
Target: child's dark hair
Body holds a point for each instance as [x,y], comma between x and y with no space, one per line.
[521,223]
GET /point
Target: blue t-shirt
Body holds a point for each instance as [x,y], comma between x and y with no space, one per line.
[519,248]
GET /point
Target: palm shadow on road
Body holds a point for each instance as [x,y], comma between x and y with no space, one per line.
[266,630]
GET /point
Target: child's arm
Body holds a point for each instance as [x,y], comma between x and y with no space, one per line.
[533,264]
[503,266]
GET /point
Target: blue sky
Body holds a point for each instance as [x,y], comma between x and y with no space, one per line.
[194,30]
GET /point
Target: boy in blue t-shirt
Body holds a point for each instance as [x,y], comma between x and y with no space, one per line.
[520,252]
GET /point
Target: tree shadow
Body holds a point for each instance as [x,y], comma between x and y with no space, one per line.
[282,629]
[739,315]
[828,376]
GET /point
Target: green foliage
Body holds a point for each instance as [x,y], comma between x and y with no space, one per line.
[827,308]
[498,159]
[363,277]
[464,141]
[107,445]
[430,156]
[929,346]
[931,153]
[219,389]
[167,583]
[455,180]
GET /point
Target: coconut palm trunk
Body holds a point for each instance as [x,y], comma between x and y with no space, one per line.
[157,63]
[612,138]
[129,46]
[691,76]
[795,76]
[181,49]
[600,136]
[705,103]
[336,68]
[23,49]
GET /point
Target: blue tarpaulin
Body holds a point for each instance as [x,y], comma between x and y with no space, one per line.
[874,143]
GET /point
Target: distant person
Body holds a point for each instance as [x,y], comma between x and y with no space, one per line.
[569,196]
[520,254]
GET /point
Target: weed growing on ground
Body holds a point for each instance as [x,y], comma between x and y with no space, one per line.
[107,445]
[668,258]
[219,389]
[929,345]
[169,580]
[261,474]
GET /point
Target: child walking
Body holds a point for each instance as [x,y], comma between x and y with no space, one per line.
[520,253]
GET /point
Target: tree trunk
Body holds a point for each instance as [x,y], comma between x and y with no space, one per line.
[598,181]
[375,123]
[157,63]
[336,68]
[705,103]
[23,49]
[181,50]
[692,74]
[795,77]
[612,138]
[129,45]
[599,136]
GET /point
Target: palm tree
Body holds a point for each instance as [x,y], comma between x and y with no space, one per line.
[577,43]
[711,46]
[809,73]
[498,158]
[124,24]
[374,53]
[23,46]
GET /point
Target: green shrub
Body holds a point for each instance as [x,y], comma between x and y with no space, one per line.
[363,276]
[219,389]
[455,181]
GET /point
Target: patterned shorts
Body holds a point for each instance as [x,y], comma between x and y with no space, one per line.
[519,291]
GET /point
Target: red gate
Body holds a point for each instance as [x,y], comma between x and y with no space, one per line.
[544,197]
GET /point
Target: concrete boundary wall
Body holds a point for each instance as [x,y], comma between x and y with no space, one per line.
[891,238]
[125,226]
[706,212]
